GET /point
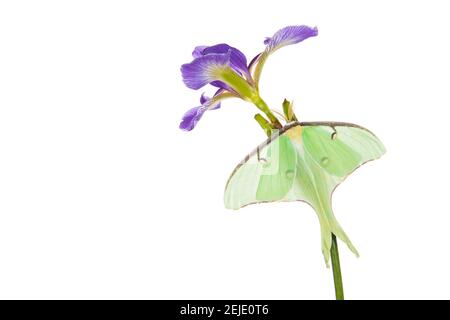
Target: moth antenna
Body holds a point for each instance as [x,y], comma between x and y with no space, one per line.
[279,114]
[259,156]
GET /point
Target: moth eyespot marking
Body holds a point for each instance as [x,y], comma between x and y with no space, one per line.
[325,161]
[289,174]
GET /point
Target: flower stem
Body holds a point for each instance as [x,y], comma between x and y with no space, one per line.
[338,287]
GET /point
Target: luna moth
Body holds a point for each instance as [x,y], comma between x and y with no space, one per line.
[300,161]
[304,161]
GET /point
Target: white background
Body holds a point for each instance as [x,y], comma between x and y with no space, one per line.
[102,196]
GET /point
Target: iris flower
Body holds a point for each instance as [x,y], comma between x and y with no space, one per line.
[226,68]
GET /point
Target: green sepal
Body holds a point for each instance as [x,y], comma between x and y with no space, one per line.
[265,125]
[288,110]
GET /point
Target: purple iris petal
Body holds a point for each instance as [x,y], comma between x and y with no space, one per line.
[289,35]
[238,61]
[203,70]
[191,118]
[218,92]
[222,85]
[254,60]
[198,51]
[215,106]
[206,101]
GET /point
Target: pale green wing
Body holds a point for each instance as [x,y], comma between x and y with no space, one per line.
[331,152]
[319,155]
[278,170]
[267,174]
[340,148]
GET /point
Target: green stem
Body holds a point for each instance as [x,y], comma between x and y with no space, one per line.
[261,104]
[338,287]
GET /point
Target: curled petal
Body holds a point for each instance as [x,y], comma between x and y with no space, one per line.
[253,61]
[204,70]
[198,51]
[221,85]
[238,61]
[204,99]
[191,118]
[210,103]
[289,35]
